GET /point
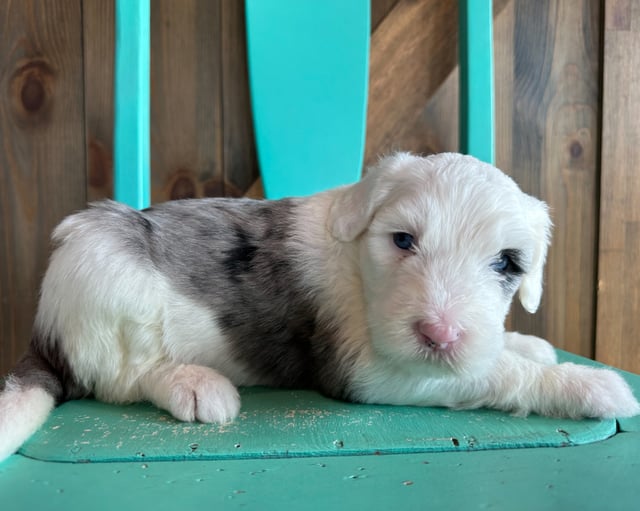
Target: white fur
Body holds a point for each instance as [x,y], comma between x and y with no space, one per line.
[138,323]
[24,410]
[444,281]
[192,392]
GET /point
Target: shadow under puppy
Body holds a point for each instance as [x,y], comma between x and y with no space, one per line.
[392,290]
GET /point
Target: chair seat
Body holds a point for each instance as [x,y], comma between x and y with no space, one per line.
[296,425]
[281,424]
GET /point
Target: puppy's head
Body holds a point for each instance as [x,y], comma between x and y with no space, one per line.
[445,242]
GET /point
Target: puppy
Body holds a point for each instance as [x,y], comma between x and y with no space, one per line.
[392,290]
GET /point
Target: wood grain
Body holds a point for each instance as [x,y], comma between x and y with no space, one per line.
[98,19]
[42,156]
[239,148]
[379,11]
[554,134]
[618,318]
[412,54]
[186,99]
[413,84]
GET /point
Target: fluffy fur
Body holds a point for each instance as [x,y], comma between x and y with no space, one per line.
[392,290]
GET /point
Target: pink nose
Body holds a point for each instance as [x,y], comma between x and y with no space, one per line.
[439,333]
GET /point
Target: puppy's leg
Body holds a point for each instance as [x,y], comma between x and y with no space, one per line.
[192,392]
[531,347]
[564,390]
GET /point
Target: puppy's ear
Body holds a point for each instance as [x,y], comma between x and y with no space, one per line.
[540,225]
[355,205]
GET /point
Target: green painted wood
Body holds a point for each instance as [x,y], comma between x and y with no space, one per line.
[599,476]
[276,423]
[132,103]
[595,476]
[477,126]
[308,70]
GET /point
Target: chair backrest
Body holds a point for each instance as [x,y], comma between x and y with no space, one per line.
[132,103]
[308,65]
[477,130]
[309,72]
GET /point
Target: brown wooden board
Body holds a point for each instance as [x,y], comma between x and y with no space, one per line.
[239,149]
[618,324]
[549,102]
[186,99]
[411,55]
[98,45]
[42,154]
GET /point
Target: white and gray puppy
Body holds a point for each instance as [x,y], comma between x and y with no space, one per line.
[392,290]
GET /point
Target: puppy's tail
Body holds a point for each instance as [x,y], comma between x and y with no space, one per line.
[29,395]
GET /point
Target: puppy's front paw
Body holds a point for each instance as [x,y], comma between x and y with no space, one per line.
[200,393]
[581,391]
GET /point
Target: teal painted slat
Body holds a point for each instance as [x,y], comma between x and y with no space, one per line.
[599,476]
[477,130]
[308,68]
[131,137]
[284,424]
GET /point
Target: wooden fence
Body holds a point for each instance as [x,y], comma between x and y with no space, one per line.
[567,109]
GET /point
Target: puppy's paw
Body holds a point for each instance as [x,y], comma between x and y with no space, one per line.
[200,393]
[581,391]
[531,347]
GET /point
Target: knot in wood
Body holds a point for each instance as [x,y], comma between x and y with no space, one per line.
[31,91]
[183,186]
[576,149]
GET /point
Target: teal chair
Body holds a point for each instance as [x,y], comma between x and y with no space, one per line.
[132,103]
[296,449]
[308,64]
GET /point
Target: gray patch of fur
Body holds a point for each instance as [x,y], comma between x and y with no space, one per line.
[45,366]
[238,259]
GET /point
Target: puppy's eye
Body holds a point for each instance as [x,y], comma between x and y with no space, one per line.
[507,263]
[403,240]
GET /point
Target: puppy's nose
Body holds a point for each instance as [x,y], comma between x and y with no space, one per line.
[439,333]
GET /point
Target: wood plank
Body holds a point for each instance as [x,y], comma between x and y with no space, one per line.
[435,129]
[411,91]
[239,147]
[379,11]
[290,424]
[595,477]
[411,55]
[504,27]
[186,99]
[554,156]
[98,21]
[618,326]
[629,357]
[42,165]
